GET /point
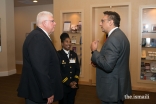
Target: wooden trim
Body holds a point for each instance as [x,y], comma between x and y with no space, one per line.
[7,73]
[138,88]
[19,62]
[85,82]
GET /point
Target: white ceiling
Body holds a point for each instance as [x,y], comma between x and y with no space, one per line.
[19,3]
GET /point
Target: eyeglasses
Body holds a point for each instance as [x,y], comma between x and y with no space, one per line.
[103,20]
[50,21]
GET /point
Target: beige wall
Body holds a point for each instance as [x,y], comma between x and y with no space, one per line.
[86,5]
[7,55]
[23,18]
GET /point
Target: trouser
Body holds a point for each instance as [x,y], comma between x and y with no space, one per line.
[27,101]
[119,102]
[69,98]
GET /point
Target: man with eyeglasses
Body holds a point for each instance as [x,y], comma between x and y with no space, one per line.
[112,62]
[41,81]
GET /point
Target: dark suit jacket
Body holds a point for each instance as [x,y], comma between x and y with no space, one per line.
[69,71]
[41,76]
[112,74]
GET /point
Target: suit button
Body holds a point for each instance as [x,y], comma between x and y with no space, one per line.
[70,72]
[70,77]
[70,67]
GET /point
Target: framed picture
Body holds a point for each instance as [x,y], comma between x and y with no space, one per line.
[33,25]
[73,39]
[66,26]
[74,49]
[79,26]
[153,27]
[145,27]
[143,42]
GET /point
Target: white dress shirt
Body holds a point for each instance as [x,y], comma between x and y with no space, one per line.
[67,52]
[112,31]
[46,33]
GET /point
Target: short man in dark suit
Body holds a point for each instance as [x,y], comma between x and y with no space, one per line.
[112,62]
[41,81]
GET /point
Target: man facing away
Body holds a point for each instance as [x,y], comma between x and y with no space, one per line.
[41,81]
[112,62]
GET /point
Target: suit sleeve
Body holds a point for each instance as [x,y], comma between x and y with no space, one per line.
[65,79]
[107,58]
[40,61]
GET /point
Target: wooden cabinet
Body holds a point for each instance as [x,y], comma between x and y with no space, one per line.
[147,68]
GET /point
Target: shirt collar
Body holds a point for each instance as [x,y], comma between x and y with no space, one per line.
[46,33]
[67,52]
[112,31]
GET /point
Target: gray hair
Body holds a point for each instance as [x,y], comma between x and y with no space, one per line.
[42,16]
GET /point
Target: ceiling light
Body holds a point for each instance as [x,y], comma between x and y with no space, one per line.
[35,1]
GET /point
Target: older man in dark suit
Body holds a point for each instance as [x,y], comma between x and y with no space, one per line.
[112,62]
[41,81]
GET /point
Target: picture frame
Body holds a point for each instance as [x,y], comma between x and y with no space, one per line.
[145,28]
[33,25]
[66,26]
[153,27]
[74,49]
[143,42]
[79,26]
[73,39]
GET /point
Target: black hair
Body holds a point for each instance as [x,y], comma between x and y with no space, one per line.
[63,36]
[113,16]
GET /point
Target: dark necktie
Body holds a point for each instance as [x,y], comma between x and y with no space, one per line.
[106,36]
[68,54]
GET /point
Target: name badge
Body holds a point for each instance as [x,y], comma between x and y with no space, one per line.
[72,61]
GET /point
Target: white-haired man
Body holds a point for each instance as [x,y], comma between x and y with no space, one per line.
[41,79]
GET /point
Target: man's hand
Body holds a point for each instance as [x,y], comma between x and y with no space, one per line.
[94,45]
[50,99]
[94,65]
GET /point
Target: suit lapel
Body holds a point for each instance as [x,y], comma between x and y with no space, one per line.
[113,32]
[39,29]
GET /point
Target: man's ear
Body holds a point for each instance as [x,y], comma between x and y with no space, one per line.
[111,22]
[44,23]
